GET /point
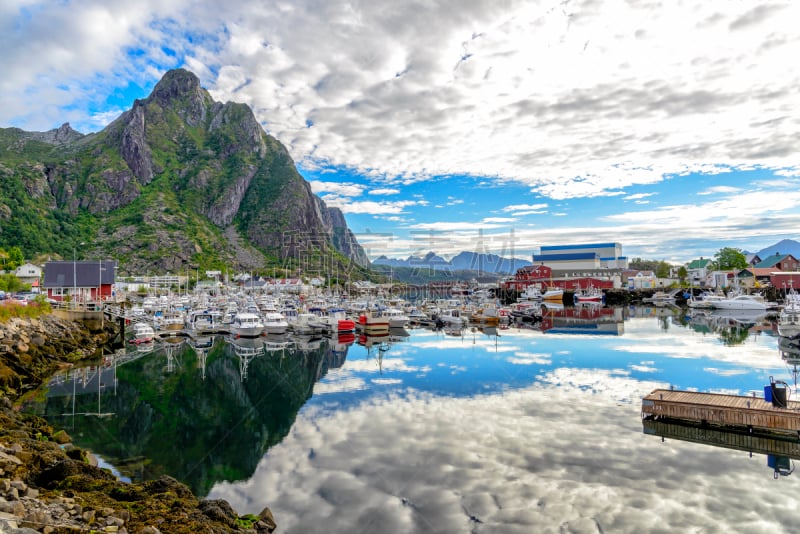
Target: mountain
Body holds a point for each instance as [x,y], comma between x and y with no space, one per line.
[785,246]
[177,181]
[463,261]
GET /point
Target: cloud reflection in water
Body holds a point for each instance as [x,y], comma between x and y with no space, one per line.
[567,454]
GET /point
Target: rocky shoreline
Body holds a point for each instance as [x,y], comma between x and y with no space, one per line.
[47,485]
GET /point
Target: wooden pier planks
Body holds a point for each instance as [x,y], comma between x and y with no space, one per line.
[723,410]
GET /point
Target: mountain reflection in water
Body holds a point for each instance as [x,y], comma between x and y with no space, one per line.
[200,412]
[532,428]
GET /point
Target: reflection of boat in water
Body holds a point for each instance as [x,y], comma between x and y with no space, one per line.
[247,346]
[398,334]
[201,345]
[307,343]
[661,298]
[338,346]
[246,349]
[779,452]
[371,340]
[790,354]
[789,318]
[144,348]
[585,319]
[741,316]
[274,343]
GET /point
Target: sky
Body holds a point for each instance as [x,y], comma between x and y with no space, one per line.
[480,125]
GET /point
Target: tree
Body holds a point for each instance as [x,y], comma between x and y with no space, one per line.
[640,264]
[662,269]
[15,258]
[11,284]
[729,258]
[682,273]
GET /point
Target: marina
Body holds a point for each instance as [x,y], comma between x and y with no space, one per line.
[518,409]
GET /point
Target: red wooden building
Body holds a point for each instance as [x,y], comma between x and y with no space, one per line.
[542,276]
[81,281]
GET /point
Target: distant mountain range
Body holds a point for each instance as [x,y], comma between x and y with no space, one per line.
[785,246]
[463,261]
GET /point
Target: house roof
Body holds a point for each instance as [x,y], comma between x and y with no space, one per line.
[698,264]
[755,271]
[772,261]
[87,273]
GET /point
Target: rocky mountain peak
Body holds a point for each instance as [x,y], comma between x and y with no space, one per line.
[180,91]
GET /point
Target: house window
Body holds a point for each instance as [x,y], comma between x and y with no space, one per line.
[57,292]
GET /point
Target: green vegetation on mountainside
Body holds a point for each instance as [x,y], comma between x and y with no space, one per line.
[177,180]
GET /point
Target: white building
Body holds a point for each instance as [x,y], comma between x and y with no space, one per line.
[28,273]
[582,257]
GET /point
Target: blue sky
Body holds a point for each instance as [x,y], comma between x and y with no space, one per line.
[466,125]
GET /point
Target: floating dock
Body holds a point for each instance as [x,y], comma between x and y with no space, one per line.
[751,414]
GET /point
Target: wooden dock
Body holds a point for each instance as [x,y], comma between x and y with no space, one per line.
[753,414]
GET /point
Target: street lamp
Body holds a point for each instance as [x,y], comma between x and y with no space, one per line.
[75,271]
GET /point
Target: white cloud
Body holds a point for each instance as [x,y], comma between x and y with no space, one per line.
[529,358]
[445,226]
[476,90]
[534,208]
[719,190]
[384,191]
[499,219]
[338,189]
[370,207]
[504,463]
[638,196]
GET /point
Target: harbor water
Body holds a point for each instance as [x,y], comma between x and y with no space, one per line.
[534,427]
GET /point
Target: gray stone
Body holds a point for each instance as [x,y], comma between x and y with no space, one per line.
[8,458]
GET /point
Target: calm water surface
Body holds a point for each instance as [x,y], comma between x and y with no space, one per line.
[509,430]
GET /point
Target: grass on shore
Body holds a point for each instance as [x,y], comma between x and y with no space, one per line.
[34,309]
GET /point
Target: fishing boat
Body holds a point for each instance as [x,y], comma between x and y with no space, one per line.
[372,322]
[590,294]
[553,294]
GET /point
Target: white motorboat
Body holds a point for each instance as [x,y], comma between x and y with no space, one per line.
[397,317]
[704,301]
[246,324]
[530,293]
[204,321]
[275,323]
[143,333]
[452,317]
[741,302]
